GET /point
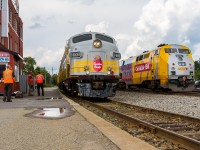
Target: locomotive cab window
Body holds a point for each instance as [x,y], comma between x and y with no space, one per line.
[137,59]
[184,51]
[146,55]
[141,57]
[81,38]
[157,52]
[104,38]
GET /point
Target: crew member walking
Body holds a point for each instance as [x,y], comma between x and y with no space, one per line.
[40,82]
[9,79]
[30,83]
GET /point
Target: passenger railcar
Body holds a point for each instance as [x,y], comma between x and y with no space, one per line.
[90,65]
[168,67]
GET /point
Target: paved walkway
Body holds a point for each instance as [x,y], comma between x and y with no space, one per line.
[79,129]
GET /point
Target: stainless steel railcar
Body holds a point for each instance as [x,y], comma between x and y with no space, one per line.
[90,65]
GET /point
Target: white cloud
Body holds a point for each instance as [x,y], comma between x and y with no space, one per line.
[136,25]
[100,27]
[196,53]
[164,21]
[47,57]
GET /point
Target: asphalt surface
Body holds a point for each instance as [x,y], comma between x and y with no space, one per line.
[23,125]
[54,122]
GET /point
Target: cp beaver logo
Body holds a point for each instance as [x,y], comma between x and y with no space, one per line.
[97,63]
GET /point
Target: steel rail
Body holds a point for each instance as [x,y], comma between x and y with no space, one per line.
[151,110]
[185,142]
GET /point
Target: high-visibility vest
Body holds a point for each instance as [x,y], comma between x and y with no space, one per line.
[8,76]
[39,78]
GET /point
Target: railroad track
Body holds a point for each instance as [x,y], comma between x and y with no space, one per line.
[180,130]
[196,92]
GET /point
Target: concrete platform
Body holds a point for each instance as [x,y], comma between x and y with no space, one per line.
[79,130]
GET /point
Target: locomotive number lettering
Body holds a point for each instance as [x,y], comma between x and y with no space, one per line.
[75,54]
[181,68]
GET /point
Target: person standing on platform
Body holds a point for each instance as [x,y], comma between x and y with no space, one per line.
[40,83]
[8,79]
[30,83]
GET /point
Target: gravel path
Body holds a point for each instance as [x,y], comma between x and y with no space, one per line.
[184,105]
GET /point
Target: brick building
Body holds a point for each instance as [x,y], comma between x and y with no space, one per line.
[11,39]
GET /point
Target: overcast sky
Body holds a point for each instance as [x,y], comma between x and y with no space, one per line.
[137,25]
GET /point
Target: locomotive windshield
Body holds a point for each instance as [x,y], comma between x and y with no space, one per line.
[82,38]
[184,51]
[104,38]
[174,50]
[171,50]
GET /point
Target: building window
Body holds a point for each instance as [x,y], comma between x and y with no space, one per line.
[16,46]
[15,25]
[2,40]
[10,42]
[16,72]
[10,16]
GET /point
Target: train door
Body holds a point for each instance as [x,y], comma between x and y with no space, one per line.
[155,61]
[154,70]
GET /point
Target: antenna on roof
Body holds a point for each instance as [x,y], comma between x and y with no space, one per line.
[162,45]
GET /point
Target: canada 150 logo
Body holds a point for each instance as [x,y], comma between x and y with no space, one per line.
[97,63]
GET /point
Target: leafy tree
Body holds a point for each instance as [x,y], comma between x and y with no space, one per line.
[28,65]
[197,70]
[54,79]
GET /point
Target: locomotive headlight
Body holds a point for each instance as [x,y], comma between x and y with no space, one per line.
[87,72]
[109,68]
[86,68]
[97,43]
[172,68]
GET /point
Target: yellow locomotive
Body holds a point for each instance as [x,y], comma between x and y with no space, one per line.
[168,67]
[90,65]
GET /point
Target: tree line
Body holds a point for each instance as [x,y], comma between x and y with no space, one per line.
[29,64]
[197,70]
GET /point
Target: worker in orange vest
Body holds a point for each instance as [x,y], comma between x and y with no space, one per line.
[30,83]
[9,79]
[40,83]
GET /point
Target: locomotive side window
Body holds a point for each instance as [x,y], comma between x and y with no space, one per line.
[184,51]
[137,59]
[146,55]
[157,52]
[81,38]
[104,38]
[141,57]
[167,50]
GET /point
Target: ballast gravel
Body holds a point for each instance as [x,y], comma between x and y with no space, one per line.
[180,104]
